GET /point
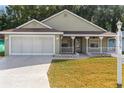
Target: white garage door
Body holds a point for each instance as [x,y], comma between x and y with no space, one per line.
[32,44]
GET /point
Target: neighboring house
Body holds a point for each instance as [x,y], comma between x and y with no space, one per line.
[64,32]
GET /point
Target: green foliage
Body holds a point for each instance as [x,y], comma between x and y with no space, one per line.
[2,54]
[104,16]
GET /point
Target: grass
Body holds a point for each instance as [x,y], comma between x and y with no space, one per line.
[87,73]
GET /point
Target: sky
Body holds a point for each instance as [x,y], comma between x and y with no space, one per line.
[1,7]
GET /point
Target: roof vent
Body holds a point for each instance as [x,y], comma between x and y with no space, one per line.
[65,15]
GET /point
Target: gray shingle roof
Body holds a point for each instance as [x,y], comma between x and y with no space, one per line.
[83,32]
[34,30]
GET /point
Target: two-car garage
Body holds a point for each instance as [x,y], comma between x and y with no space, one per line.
[32,38]
[31,44]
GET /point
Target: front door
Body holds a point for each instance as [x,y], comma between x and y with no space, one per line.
[112,43]
[78,45]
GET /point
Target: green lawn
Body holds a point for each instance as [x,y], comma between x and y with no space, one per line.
[90,72]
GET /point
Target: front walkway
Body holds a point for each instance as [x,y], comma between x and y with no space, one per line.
[24,71]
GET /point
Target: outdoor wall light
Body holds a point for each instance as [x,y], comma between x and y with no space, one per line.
[57,38]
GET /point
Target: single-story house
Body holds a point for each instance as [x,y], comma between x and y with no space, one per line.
[64,32]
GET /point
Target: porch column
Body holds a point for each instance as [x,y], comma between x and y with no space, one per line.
[72,37]
[87,38]
[101,44]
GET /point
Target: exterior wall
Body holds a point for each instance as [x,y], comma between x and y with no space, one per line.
[57,44]
[105,42]
[33,25]
[6,39]
[68,22]
[83,45]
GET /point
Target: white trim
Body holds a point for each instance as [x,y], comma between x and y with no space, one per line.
[52,33]
[54,45]
[33,33]
[34,20]
[10,45]
[101,37]
[72,37]
[86,37]
[75,16]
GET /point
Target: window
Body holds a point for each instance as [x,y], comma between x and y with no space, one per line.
[66,42]
[65,45]
[94,43]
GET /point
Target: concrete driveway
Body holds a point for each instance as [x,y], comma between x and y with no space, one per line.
[24,71]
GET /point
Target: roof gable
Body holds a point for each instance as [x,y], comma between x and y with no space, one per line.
[33,24]
[68,21]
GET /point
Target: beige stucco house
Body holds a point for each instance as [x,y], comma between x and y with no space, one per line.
[64,32]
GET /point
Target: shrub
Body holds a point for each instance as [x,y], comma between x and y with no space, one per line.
[1,53]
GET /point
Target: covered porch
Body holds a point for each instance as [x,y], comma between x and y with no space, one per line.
[87,44]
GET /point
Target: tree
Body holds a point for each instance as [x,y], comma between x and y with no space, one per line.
[104,16]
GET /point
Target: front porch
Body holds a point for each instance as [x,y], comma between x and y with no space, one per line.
[87,44]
